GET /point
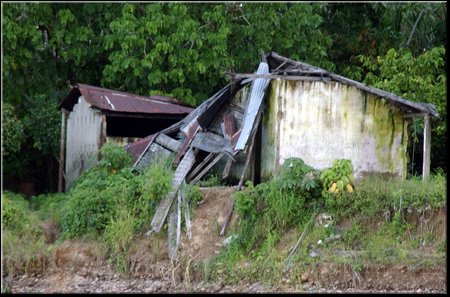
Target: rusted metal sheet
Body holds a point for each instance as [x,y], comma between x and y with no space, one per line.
[235,109]
[189,130]
[229,124]
[235,138]
[258,89]
[136,148]
[115,101]
[211,142]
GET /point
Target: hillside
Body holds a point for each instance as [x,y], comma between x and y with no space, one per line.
[305,230]
[81,266]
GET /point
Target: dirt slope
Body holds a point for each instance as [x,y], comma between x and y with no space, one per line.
[81,266]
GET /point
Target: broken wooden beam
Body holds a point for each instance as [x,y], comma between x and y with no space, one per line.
[228,217]
[168,142]
[250,150]
[200,166]
[164,206]
[229,129]
[207,168]
[212,143]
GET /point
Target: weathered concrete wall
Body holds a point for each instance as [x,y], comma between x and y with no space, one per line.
[84,130]
[320,122]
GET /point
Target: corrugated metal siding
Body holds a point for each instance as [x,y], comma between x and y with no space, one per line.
[84,127]
[320,122]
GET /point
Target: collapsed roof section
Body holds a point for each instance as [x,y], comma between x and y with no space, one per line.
[224,128]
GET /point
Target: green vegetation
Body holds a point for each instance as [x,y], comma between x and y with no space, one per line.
[23,240]
[108,202]
[379,222]
[211,179]
[185,50]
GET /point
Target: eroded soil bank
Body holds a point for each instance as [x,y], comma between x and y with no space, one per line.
[80,267]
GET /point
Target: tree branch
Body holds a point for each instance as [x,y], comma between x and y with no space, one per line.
[414,28]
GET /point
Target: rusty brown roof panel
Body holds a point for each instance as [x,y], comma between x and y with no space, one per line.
[115,101]
[136,148]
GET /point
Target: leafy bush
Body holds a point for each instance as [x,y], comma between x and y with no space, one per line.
[114,157]
[375,197]
[273,207]
[22,234]
[14,211]
[13,131]
[95,200]
[49,206]
[211,180]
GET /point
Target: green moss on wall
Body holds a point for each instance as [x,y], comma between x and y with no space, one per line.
[270,130]
[388,124]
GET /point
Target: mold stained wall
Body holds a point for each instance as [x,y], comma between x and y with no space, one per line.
[84,130]
[320,122]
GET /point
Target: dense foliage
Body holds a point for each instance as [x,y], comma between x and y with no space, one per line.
[273,207]
[111,192]
[185,49]
[379,222]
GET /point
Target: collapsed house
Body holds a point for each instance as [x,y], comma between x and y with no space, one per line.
[286,109]
[93,116]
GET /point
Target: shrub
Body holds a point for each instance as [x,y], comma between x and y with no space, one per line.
[14,211]
[275,206]
[114,157]
[49,206]
[99,194]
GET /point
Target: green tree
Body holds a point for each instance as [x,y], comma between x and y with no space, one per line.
[421,79]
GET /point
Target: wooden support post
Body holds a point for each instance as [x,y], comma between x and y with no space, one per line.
[250,152]
[62,150]
[426,147]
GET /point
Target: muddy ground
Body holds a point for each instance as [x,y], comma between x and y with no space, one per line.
[79,267]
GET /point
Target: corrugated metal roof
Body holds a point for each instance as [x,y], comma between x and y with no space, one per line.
[115,101]
[136,148]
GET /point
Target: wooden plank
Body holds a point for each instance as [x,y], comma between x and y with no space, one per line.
[187,213]
[200,175]
[200,166]
[210,142]
[250,151]
[286,77]
[426,147]
[171,231]
[227,169]
[164,206]
[168,142]
[414,115]
[227,218]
